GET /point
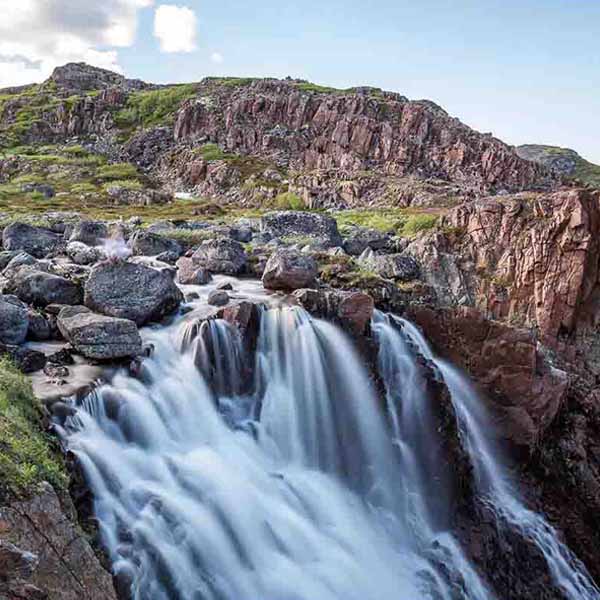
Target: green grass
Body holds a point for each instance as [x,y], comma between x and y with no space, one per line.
[210,152]
[232,81]
[117,171]
[126,184]
[416,224]
[27,455]
[152,108]
[306,86]
[288,201]
[399,221]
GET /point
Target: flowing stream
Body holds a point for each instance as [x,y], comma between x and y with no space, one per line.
[300,484]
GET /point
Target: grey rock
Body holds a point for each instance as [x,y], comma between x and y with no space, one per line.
[221,255]
[82,254]
[40,288]
[91,233]
[322,228]
[289,270]
[188,273]
[218,298]
[146,243]
[5,257]
[42,188]
[37,241]
[98,336]
[131,291]
[14,320]
[26,359]
[361,238]
[39,329]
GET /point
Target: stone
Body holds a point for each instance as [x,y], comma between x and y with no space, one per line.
[26,359]
[37,241]
[98,336]
[221,255]
[41,188]
[40,288]
[131,291]
[361,238]
[302,225]
[289,270]
[91,233]
[146,243]
[399,267]
[39,329]
[218,298]
[82,254]
[14,320]
[190,274]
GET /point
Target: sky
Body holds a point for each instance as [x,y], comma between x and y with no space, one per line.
[526,70]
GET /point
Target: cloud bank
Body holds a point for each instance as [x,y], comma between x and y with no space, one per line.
[175,27]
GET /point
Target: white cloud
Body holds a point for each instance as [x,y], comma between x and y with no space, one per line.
[175,28]
[217,58]
[38,35]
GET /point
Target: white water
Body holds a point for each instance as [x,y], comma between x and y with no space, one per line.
[302,485]
[492,476]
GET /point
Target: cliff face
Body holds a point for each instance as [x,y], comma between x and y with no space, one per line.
[353,131]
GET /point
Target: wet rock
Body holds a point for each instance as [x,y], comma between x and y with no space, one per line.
[146,243]
[303,225]
[289,270]
[98,336]
[14,320]
[131,291]
[37,241]
[62,357]
[40,288]
[91,233]
[221,255]
[218,298]
[39,329]
[5,257]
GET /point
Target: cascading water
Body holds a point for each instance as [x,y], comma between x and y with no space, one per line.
[493,479]
[298,485]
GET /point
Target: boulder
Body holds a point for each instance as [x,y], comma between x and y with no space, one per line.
[40,328]
[91,233]
[40,288]
[361,238]
[190,274]
[400,267]
[14,320]
[218,298]
[146,243]
[26,359]
[5,257]
[289,270]
[131,291]
[98,336]
[221,255]
[37,241]
[82,254]
[297,224]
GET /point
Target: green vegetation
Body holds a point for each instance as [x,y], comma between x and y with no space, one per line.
[125,184]
[306,86]
[289,201]
[210,152]
[117,171]
[417,223]
[398,221]
[232,81]
[27,456]
[154,107]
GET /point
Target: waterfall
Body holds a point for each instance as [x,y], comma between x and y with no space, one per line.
[302,485]
[492,476]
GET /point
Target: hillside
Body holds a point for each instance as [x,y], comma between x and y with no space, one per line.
[91,138]
[562,160]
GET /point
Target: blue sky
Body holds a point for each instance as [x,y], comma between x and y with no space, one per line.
[528,71]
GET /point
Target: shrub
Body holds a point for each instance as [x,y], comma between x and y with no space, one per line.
[26,454]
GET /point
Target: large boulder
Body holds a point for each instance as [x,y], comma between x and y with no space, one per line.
[221,255]
[82,254]
[304,226]
[400,267]
[361,238]
[37,241]
[146,243]
[188,273]
[98,336]
[14,320]
[91,233]
[41,288]
[131,291]
[289,270]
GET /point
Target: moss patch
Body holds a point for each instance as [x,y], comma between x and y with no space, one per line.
[28,456]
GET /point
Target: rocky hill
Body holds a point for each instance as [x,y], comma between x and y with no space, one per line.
[562,160]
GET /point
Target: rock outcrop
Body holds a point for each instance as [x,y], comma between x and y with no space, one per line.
[289,270]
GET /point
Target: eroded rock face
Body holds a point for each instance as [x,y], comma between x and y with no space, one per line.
[36,241]
[131,291]
[526,391]
[52,558]
[354,131]
[98,336]
[289,270]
